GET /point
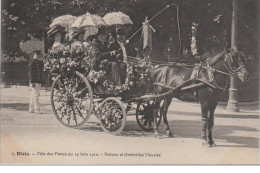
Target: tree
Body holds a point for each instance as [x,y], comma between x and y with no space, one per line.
[21,19]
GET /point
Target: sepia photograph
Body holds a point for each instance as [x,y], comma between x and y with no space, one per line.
[129,82]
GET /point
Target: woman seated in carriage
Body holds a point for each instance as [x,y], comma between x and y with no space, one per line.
[57,33]
[76,38]
[109,49]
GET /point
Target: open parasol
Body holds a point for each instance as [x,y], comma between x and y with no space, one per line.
[117,18]
[88,20]
[64,21]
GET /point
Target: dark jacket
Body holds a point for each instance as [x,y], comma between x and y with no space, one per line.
[35,71]
[104,52]
[115,47]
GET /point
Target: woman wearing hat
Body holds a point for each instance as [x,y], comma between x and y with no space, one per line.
[99,49]
[77,39]
[57,33]
[94,45]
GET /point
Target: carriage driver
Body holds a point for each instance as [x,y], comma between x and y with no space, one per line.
[118,55]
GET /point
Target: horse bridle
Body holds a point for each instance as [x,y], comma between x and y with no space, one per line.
[227,64]
[228,61]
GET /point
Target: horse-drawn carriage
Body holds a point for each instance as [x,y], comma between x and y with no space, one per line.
[81,90]
[77,93]
[82,84]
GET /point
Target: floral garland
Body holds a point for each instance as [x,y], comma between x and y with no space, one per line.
[70,60]
[137,71]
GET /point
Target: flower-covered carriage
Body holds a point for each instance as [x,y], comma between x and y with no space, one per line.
[82,84]
[81,87]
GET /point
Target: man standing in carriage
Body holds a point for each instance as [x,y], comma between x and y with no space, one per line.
[117,57]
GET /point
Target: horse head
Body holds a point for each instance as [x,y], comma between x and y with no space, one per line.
[234,61]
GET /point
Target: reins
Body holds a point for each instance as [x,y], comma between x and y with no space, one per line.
[207,66]
[213,70]
[231,72]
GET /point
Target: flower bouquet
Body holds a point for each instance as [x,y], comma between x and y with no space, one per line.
[63,60]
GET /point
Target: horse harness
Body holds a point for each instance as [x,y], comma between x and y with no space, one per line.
[228,60]
[208,67]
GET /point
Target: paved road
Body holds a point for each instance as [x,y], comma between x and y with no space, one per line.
[47,141]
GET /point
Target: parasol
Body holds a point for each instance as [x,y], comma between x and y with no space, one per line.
[64,21]
[88,20]
[117,18]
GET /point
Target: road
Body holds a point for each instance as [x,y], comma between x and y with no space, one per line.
[41,139]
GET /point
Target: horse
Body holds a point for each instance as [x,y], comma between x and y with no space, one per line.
[209,79]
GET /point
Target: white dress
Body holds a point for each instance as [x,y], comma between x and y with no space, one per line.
[78,46]
[57,46]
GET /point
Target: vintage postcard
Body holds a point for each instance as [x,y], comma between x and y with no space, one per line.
[129,82]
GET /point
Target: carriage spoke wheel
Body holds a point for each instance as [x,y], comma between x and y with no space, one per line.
[144,115]
[71,99]
[112,115]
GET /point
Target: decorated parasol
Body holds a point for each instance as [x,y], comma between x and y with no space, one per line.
[64,21]
[88,20]
[117,18]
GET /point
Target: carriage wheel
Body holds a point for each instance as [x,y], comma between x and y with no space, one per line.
[144,115]
[71,99]
[112,115]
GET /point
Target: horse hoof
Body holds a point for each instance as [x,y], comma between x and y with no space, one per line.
[206,144]
[203,135]
[213,144]
[170,135]
[156,135]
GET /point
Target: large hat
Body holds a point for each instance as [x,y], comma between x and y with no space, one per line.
[111,34]
[120,31]
[37,52]
[75,34]
[55,29]
[91,37]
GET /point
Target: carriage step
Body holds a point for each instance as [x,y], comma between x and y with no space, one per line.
[192,86]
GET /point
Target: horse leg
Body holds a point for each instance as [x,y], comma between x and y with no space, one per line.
[204,120]
[206,123]
[155,111]
[164,111]
[210,125]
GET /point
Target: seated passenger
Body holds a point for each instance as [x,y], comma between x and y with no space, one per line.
[94,45]
[77,39]
[57,33]
[102,51]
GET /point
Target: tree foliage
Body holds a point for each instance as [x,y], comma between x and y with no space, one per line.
[23,18]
